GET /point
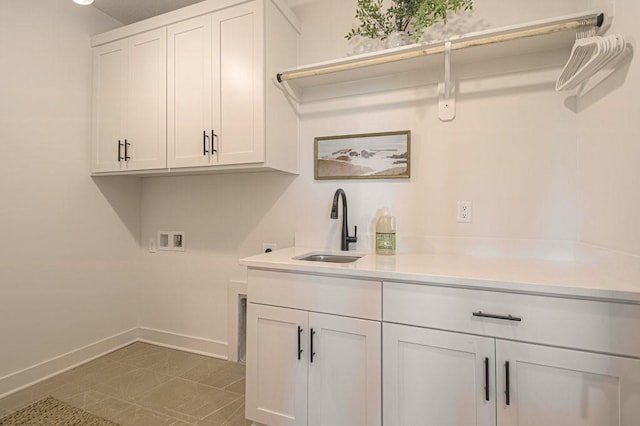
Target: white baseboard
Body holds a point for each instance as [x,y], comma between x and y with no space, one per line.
[42,371]
[29,376]
[196,345]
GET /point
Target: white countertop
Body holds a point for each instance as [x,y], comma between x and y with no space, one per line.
[604,279]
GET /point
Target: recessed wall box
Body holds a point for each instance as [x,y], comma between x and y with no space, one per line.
[171,240]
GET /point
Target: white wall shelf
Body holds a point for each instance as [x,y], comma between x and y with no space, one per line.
[521,39]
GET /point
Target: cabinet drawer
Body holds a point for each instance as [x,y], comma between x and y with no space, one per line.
[340,296]
[591,325]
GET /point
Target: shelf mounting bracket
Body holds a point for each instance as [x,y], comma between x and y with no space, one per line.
[446,89]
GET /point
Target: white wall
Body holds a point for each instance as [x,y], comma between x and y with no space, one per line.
[609,149]
[511,151]
[68,243]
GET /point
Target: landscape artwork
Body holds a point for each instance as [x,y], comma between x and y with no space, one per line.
[368,156]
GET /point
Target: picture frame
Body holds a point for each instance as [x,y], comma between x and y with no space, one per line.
[384,155]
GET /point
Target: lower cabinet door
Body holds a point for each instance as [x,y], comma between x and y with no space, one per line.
[277,365]
[344,371]
[433,377]
[550,386]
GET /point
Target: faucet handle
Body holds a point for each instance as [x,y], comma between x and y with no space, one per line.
[354,237]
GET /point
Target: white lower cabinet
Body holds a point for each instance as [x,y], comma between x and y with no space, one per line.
[306,368]
[439,378]
[340,351]
[277,365]
[434,377]
[551,386]
[547,360]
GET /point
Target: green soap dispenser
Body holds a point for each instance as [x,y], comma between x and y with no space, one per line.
[386,233]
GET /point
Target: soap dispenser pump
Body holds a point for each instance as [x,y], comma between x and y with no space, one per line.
[386,233]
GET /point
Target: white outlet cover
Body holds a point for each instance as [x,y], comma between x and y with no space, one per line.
[463,212]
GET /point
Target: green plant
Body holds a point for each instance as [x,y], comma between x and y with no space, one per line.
[402,15]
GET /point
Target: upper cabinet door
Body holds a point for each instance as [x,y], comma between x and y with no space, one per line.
[238,84]
[344,371]
[551,386]
[109,106]
[146,127]
[189,86]
[129,104]
[434,377]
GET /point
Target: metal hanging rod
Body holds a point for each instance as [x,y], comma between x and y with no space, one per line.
[500,35]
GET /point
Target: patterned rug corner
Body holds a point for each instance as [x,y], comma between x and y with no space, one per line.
[50,411]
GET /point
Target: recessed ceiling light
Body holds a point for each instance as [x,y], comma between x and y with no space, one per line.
[83,2]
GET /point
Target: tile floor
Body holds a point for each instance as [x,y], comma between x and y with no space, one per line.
[144,384]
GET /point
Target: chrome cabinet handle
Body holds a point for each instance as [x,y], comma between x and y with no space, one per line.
[494,316]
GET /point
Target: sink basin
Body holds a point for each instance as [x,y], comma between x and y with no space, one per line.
[329,258]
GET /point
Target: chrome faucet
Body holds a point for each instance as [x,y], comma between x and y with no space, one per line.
[345,238]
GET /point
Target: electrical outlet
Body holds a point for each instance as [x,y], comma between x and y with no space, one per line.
[152,245]
[463,212]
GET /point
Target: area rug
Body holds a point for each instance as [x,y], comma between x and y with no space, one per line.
[49,412]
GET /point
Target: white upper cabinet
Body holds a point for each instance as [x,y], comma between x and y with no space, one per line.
[189,93]
[109,106]
[220,109]
[129,104]
[216,106]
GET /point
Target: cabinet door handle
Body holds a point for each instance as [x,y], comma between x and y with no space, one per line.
[312,352]
[494,316]
[507,393]
[486,379]
[204,142]
[126,150]
[299,342]
[119,151]
[213,138]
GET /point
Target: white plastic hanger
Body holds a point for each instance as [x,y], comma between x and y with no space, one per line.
[589,55]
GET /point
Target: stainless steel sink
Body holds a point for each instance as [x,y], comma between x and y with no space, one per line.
[330,258]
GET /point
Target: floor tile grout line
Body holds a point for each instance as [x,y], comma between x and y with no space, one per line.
[126,363]
[135,404]
[224,406]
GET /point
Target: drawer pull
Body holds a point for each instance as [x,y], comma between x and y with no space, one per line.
[494,316]
[299,342]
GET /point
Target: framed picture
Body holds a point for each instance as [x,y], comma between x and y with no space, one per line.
[368,156]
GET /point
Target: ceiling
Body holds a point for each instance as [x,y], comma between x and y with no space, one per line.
[129,11]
